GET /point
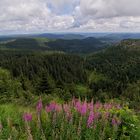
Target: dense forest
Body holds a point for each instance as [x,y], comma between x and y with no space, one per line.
[110,73]
[120,65]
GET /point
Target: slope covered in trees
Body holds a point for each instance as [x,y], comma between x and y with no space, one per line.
[44,72]
[120,65]
[87,45]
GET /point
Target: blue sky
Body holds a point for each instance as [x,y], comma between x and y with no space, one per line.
[35,16]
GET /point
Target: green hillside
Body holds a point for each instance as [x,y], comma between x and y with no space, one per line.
[120,65]
[87,45]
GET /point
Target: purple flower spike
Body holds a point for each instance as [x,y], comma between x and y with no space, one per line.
[78,106]
[53,107]
[115,121]
[83,109]
[39,106]
[90,106]
[27,117]
[90,119]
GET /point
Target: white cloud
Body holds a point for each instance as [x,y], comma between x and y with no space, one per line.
[108,15]
[110,8]
[69,15]
[62,6]
[30,16]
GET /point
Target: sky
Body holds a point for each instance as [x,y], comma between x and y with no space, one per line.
[38,16]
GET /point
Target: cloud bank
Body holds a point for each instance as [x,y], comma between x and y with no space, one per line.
[27,16]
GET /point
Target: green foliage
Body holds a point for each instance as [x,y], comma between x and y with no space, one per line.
[45,83]
[96,77]
[132,94]
[81,91]
[119,63]
[43,72]
[9,87]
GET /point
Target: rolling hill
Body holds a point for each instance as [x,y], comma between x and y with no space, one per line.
[120,63]
[87,45]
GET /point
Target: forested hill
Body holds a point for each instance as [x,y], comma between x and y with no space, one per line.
[61,36]
[25,43]
[87,45]
[120,63]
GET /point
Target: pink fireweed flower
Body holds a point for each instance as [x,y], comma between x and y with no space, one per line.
[53,107]
[58,108]
[108,106]
[107,114]
[66,108]
[83,109]
[90,106]
[115,121]
[78,106]
[97,115]
[27,117]
[67,111]
[73,102]
[69,116]
[118,106]
[47,108]
[98,105]
[90,119]
[39,106]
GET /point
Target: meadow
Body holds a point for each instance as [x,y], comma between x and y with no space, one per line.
[73,120]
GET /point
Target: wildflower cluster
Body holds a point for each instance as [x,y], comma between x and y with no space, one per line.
[75,119]
[81,114]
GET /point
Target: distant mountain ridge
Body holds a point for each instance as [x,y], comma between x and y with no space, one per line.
[116,37]
[62,36]
[103,36]
[86,45]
